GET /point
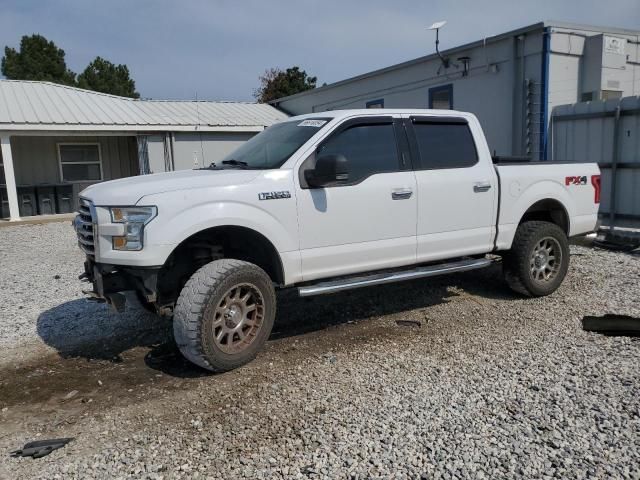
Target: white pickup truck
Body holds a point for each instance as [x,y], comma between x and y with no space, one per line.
[327,202]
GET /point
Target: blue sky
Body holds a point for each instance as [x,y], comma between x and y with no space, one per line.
[218,48]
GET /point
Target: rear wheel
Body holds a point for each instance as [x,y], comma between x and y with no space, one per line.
[538,260]
[224,314]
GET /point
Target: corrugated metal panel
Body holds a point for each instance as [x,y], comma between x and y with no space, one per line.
[42,103]
[593,131]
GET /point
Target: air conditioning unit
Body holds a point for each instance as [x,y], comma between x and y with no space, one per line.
[604,67]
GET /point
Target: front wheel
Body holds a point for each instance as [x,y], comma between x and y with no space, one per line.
[224,314]
[538,260]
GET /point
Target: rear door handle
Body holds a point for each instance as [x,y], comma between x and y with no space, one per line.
[401,194]
[481,187]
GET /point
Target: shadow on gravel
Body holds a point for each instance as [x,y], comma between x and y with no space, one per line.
[89,330]
[82,328]
[297,316]
[166,358]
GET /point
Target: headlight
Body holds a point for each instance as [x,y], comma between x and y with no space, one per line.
[134,220]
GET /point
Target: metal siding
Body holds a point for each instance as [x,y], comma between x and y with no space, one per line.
[483,92]
[156,153]
[593,139]
[215,146]
[36,157]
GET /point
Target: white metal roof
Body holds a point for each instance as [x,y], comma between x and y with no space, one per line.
[29,105]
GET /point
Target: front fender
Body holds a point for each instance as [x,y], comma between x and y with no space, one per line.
[226,213]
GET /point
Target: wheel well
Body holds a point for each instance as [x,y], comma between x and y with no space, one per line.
[235,242]
[548,210]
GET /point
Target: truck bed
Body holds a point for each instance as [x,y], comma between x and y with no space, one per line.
[525,184]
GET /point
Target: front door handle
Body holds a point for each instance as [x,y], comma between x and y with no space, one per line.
[401,194]
[481,187]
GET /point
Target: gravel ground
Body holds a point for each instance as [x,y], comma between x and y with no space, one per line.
[42,297]
[490,385]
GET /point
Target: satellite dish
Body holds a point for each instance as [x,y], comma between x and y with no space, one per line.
[437,25]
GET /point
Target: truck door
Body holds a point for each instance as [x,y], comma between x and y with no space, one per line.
[457,188]
[368,222]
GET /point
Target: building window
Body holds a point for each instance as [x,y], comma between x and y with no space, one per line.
[441,97]
[376,103]
[80,162]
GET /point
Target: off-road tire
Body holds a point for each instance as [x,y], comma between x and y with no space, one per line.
[517,263]
[194,313]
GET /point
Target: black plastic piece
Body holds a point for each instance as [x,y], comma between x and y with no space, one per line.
[41,448]
[329,171]
[613,325]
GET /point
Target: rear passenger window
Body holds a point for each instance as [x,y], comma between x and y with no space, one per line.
[369,149]
[445,145]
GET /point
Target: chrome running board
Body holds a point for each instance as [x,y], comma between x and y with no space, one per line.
[395,276]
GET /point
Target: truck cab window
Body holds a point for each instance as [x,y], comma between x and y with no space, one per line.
[369,149]
[445,145]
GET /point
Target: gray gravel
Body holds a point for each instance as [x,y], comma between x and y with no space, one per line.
[490,385]
[42,298]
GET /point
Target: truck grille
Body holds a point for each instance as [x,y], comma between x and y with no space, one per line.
[85,226]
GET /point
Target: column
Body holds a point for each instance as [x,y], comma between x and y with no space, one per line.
[10,177]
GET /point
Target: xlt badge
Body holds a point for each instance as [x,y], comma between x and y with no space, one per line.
[274,195]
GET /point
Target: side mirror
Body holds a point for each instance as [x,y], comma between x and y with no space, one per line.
[330,170]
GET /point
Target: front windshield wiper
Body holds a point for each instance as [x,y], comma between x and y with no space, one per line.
[236,163]
[212,166]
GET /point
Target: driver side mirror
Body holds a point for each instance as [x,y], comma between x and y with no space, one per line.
[332,169]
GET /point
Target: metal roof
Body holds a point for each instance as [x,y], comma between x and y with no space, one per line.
[30,105]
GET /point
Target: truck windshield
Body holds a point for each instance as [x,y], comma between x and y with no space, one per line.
[272,147]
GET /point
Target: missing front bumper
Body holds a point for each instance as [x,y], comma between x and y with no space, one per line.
[111,281]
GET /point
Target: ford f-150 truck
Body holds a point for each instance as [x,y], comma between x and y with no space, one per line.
[323,203]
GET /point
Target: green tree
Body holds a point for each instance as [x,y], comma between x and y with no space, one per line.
[38,59]
[103,76]
[276,83]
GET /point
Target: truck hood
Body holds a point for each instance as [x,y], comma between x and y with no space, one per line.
[128,191]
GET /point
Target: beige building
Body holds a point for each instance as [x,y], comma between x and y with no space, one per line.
[56,140]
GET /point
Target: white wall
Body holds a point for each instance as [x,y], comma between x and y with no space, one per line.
[513,124]
[192,147]
[487,91]
[204,148]
[569,68]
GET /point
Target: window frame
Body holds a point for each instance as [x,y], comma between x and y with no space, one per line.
[372,104]
[61,163]
[442,88]
[421,164]
[398,133]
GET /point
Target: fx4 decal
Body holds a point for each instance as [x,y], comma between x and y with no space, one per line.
[273,195]
[575,180]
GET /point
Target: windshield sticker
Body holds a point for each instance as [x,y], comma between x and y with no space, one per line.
[312,123]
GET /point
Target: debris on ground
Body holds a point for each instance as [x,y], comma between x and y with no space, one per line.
[611,324]
[408,323]
[40,448]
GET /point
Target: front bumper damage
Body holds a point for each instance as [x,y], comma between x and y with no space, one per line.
[111,281]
